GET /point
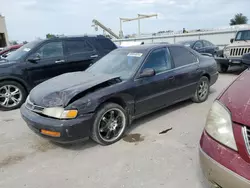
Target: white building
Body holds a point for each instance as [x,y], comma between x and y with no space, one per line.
[3,33]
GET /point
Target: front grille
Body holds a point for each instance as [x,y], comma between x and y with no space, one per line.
[34,107]
[238,52]
[246,135]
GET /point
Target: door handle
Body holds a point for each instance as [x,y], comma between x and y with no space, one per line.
[59,61]
[94,56]
[171,78]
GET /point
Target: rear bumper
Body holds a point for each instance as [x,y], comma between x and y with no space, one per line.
[70,130]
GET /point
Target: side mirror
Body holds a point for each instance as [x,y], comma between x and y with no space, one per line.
[246,59]
[197,48]
[231,40]
[34,58]
[148,72]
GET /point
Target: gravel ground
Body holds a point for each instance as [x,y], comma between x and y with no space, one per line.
[144,158]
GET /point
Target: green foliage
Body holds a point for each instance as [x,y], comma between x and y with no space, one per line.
[239,19]
[48,36]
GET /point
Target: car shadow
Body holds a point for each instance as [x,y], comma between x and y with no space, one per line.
[157,114]
[235,70]
[77,145]
[88,143]
[150,117]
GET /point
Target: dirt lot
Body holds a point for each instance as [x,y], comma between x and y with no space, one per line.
[144,158]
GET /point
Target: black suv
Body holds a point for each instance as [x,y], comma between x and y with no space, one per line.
[40,60]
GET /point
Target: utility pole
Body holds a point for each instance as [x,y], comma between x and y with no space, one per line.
[96,23]
[140,16]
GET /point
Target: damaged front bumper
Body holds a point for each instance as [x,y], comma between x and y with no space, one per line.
[69,130]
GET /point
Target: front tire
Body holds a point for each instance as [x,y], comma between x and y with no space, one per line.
[202,91]
[12,95]
[110,123]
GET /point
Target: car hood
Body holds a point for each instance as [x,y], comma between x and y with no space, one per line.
[237,99]
[6,63]
[240,44]
[60,90]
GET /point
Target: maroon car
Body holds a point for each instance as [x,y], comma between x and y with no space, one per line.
[225,142]
[7,50]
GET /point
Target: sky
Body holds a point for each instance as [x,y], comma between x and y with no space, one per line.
[30,19]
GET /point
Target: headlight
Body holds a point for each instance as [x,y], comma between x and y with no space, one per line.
[226,52]
[219,125]
[60,113]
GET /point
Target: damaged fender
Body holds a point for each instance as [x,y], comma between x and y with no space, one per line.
[60,90]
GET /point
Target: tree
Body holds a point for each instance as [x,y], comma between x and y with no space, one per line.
[48,36]
[239,19]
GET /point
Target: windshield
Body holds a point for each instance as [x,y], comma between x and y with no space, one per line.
[19,53]
[187,43]
[121,62]
[243,35]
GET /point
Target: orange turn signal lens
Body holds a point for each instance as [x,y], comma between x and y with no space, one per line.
[70,114]
[50,133]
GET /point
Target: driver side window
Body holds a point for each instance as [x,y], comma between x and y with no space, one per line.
[50,50]
[159,60]
[207,44]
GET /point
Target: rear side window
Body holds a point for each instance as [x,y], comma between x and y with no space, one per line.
[106,43]
[78,46]
[182,56]
[207,43]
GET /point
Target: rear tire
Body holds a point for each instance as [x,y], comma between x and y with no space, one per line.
[12,95]
[110,124]
[222,68]
[202,90]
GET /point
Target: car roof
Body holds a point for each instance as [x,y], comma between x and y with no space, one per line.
[16,46]
[77,36]
[147,47]
[246,29]
[189,41]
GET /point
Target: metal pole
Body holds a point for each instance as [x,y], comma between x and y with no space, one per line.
[121,33]
[139,28]
[139,17]
[120,24]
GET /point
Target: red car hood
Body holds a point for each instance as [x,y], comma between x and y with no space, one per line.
[237,99]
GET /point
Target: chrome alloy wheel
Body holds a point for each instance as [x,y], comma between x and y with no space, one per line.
[10,96]
[203,90]
[112,125]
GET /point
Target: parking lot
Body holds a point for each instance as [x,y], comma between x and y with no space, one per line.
[144,158]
